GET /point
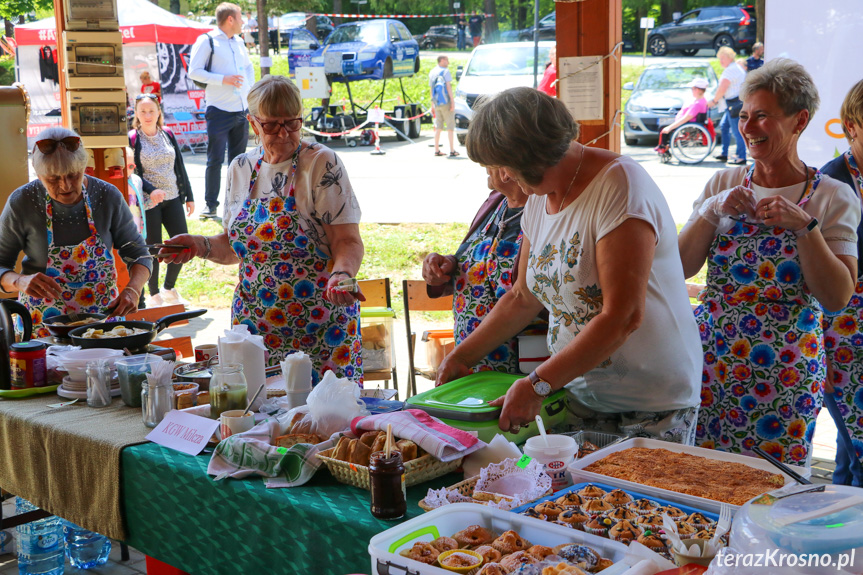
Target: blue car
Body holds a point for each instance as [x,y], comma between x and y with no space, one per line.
[301,48]
[369,50]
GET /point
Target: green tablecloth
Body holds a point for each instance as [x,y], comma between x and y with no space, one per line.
[176,513]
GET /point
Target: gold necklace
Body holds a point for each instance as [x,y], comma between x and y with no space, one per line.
[577,170]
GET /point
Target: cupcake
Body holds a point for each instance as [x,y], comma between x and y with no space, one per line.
[575,518]
[685,530]
[618,498]
[532,512]
[596,507]
[652,522]
[644,506]
[599,526]
[652,541]
[561,523]
[624,531]
[550,509]
[698,520]
[591,491]
[622,513]
[672,511]
[571,499]
[706,534]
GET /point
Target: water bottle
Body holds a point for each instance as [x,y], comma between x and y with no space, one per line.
[84,548]
[40,543]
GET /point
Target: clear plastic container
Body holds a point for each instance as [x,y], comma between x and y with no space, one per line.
[98,384]
[40,544]
[228,389]
[156,401]
[132,372]
[85,549]
[378,339]
[439,342]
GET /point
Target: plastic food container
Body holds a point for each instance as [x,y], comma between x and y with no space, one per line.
[132,372]
[439,342]
[555,453]
[463,404]
[384,547]
[75,361]
[600,439]
[376,324]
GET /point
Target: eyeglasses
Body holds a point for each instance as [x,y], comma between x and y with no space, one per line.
[150,96]
[271,128]
[49,146]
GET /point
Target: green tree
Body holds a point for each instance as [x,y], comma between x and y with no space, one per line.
[11,10]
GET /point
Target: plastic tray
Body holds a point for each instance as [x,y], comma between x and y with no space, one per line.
[576,470]
[384,547]
[634,494]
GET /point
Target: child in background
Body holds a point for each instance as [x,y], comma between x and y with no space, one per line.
[149,86]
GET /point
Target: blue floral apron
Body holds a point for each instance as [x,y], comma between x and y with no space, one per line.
[283,276]
[763,344]
[85,272]
[843,342]
[485,275]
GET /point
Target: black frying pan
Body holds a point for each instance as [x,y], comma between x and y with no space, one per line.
[58,325]
[137,341]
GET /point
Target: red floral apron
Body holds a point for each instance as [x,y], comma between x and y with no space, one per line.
[843,342]
[763,344]
[283,275]
[485,276]
[85,272]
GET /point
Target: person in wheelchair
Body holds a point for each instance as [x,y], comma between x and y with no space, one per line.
[686,114]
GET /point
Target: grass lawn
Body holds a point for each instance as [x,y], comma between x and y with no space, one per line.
[7,70]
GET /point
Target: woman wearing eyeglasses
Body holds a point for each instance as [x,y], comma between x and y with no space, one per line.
[167,190]
[66,224]
[780,241]
[291,223]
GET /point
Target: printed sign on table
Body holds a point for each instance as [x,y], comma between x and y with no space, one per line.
[183,432]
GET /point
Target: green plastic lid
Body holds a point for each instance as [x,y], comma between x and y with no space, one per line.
[377,312]
[466,399]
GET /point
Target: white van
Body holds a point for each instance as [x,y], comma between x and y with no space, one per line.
[493,68]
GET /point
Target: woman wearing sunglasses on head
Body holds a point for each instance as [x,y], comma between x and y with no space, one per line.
[166,192]
[291,223]
[66,224]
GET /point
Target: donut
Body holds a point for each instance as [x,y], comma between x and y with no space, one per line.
[492,569]
[510,542]
[583,556]
[444,544]
[473,536]
[422,552]
[489,553]
[516,560]
[540,551]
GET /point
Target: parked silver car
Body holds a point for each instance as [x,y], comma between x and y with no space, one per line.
[661,91]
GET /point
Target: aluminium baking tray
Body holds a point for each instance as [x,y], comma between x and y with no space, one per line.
[578,473]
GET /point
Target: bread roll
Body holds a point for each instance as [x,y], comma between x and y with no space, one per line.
[408,449]
[304,425]
[342,449]
[298,417]
[291,440]
[369,437]
[360,453]
[380,442]
[203,398]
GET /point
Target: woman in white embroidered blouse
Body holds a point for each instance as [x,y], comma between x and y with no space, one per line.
[292,224]
[603,261]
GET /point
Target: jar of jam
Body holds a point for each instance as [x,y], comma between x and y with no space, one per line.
[387,477]
[27,364]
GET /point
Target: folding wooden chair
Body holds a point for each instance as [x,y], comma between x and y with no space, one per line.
[377,294]
[416,299]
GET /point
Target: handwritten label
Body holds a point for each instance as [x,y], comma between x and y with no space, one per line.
[524,461]
[183,432]
[376,116]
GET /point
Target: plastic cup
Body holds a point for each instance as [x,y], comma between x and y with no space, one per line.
[681,559]
[556,453]
[231,422]
[132,372]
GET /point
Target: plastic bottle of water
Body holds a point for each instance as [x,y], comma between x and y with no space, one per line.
[40,543]
[84,548]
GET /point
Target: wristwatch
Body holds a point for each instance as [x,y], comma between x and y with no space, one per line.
[809,227]
[541,387]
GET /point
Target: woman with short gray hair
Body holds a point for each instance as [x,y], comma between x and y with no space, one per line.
[66,224]
[292,224]
[600,254]
[780,241]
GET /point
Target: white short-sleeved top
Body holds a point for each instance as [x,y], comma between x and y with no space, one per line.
[735,76]
[658,368]
[322,190]
[834,204]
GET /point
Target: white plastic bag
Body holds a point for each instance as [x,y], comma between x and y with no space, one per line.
[331,407]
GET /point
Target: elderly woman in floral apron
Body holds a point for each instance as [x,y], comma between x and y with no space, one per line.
[67,224]
[292,224]
[780,242]
[483,269]
[843,331]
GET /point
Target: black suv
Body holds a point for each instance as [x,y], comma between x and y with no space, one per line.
[547,29]
[438,37]
[709,27]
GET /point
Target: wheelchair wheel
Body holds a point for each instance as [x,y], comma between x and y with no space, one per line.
[691,143]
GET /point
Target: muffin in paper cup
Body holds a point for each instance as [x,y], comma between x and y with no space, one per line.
[644,506]
[624,531]
[599,526]
[591,491]
[698,520]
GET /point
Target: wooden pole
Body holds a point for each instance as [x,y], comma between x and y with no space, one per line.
[594,29]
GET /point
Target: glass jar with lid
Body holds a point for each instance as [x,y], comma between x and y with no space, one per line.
[228,389]
[156,401]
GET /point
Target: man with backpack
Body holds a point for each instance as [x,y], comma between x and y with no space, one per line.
[221,62]
[443,104]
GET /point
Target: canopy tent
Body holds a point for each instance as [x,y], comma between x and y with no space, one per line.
[154,40]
